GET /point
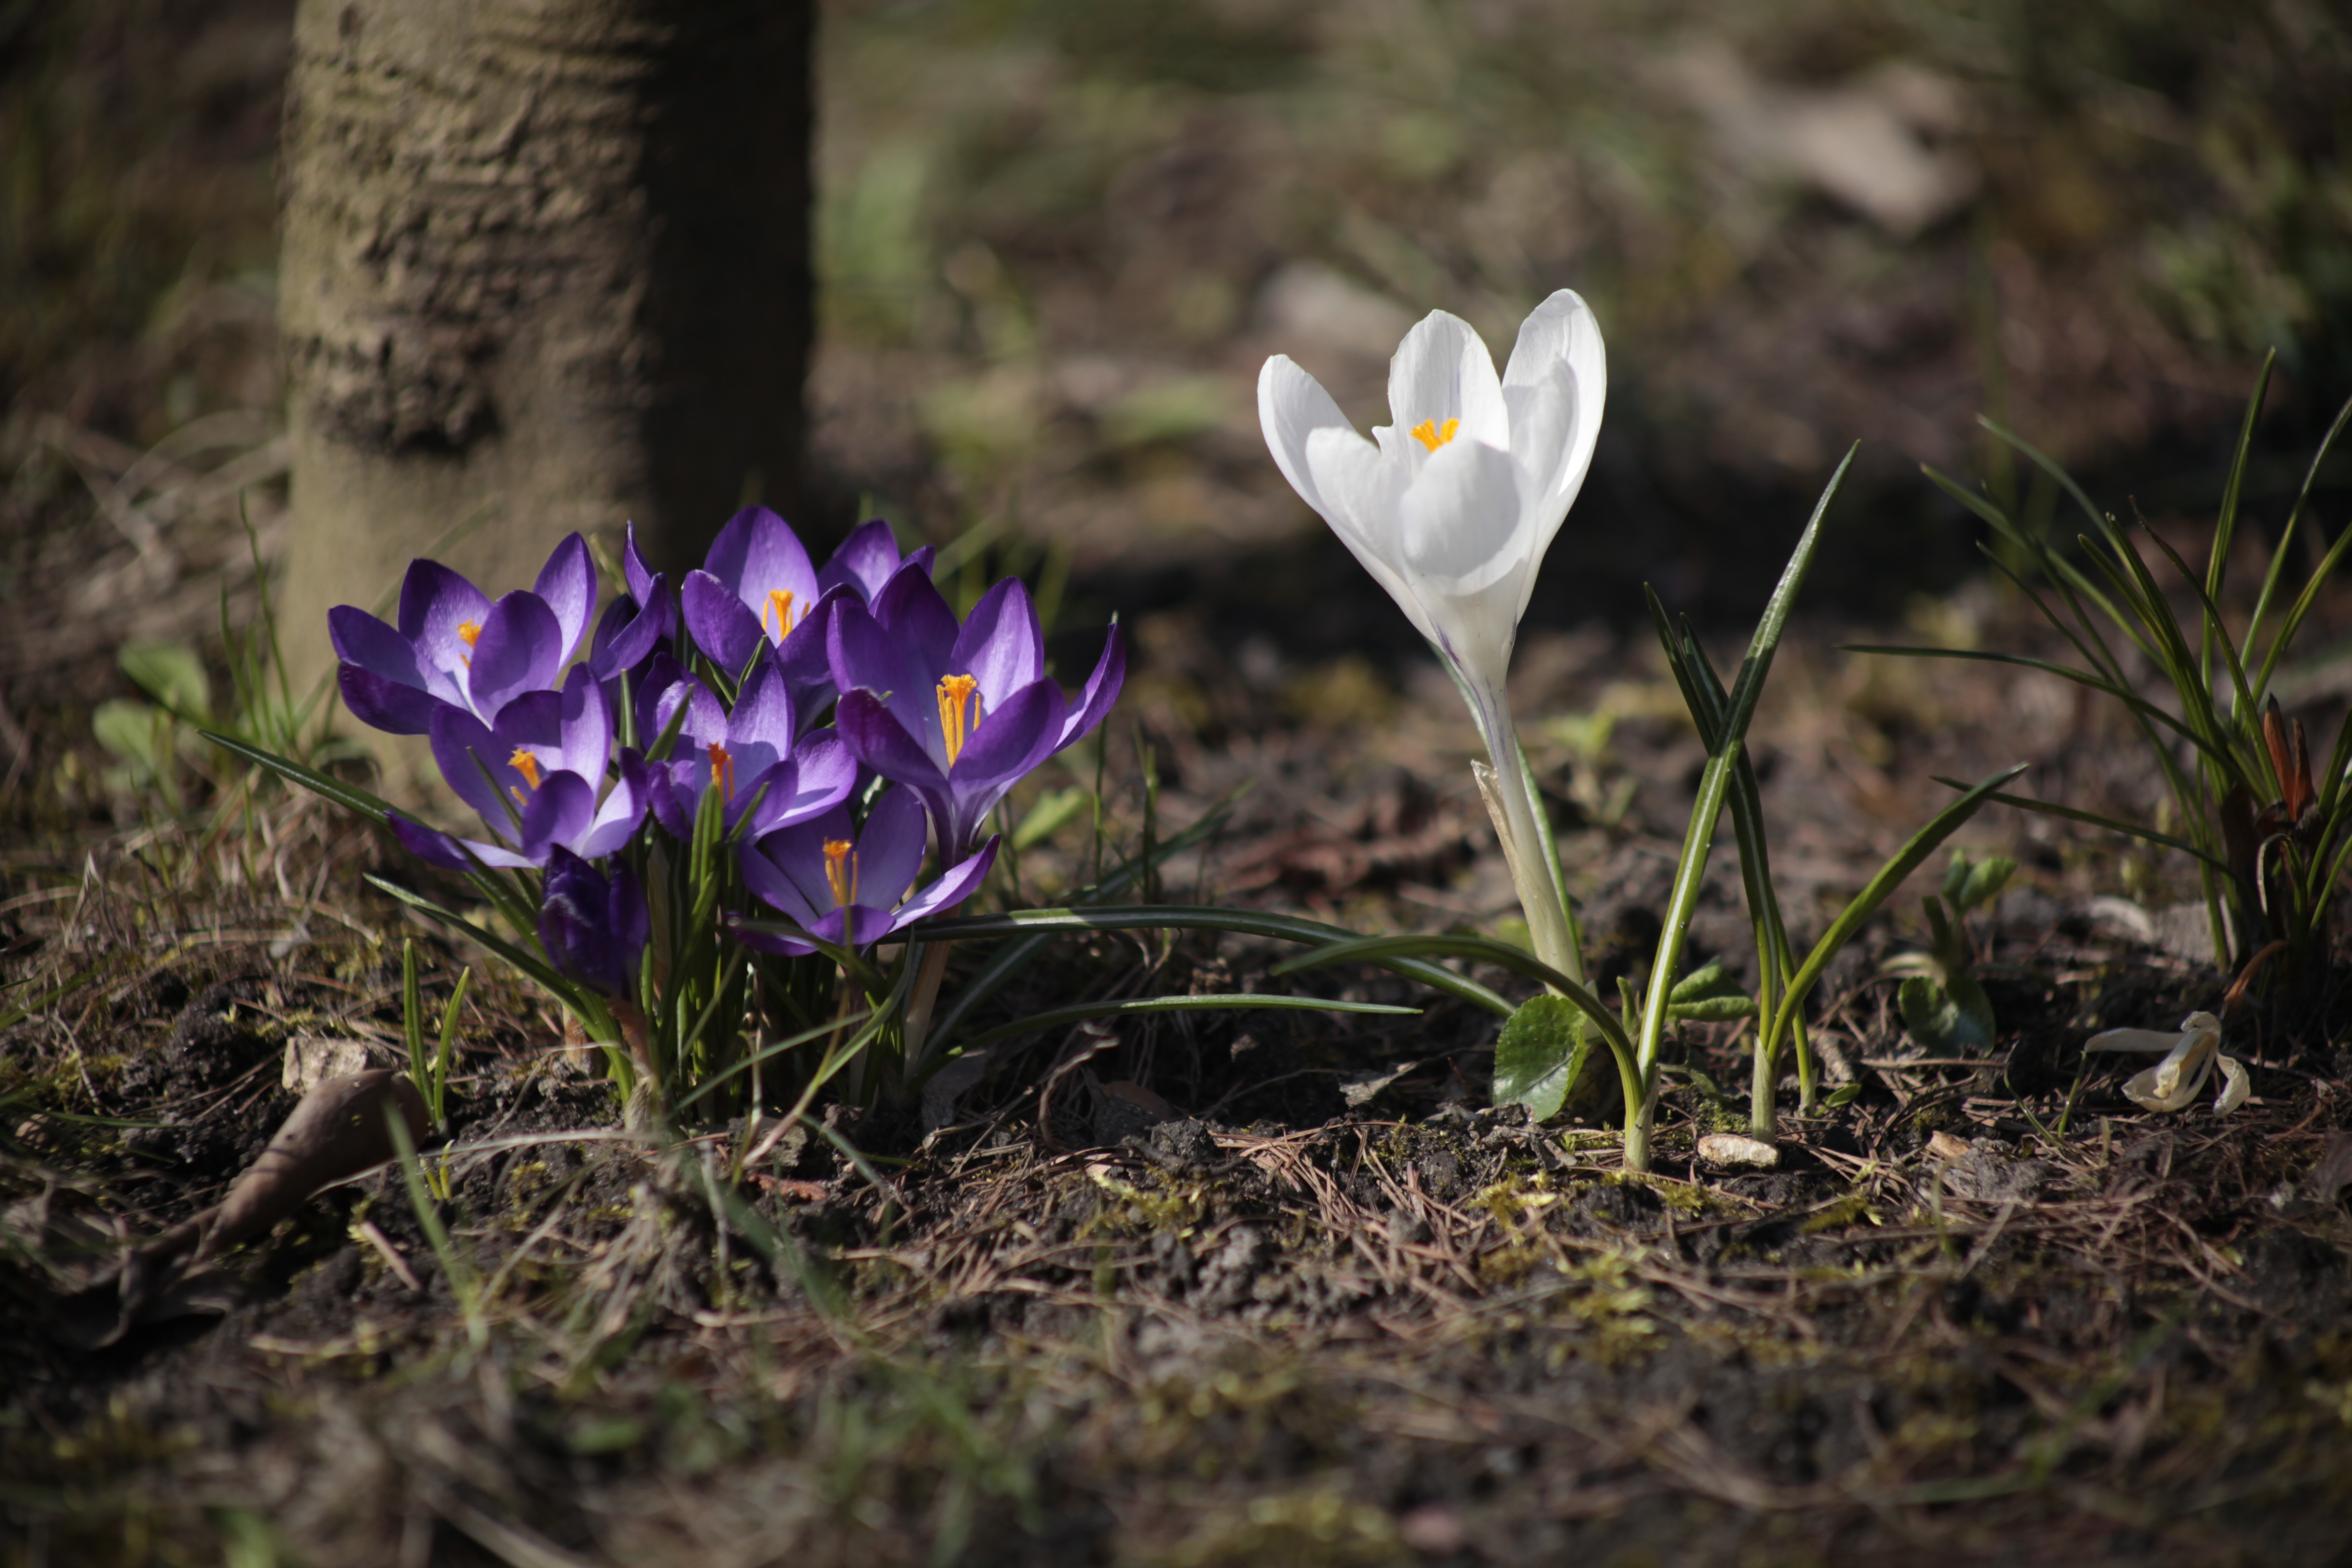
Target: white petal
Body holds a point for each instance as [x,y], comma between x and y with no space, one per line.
[2192,1060]
[2235,1086]
[1466,534]
[2145,1089]
[1442,371]
[2152,1040]
[1562,330]
[1361,488]
[1291,406]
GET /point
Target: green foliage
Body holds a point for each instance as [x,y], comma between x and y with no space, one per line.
[1541,1055]
[2268,831]
[1943,1005]
[1721,719]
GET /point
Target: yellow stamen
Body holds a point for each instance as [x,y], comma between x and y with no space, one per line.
[954,689]
[1428,434]
[841,871]
[470,632]
[524,763]
[722,770]
[780,605]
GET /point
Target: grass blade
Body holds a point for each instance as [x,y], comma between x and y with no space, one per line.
[1383,950]
[349,796]
[536,969]
[2093,819]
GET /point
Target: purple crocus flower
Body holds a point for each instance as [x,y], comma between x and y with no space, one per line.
[749,756]
[756,587]
[867,560]
[593,927]
[455,648]
[845,884]
[534,776]
[636,623]
[957,713]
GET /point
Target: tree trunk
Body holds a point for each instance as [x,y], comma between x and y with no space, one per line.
[546,268]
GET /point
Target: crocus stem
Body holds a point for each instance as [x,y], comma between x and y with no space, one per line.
[1638,1128]
[1504,787]
[919,1005]
[1763,1122]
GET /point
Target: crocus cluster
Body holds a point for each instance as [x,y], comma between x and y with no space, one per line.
[577,747]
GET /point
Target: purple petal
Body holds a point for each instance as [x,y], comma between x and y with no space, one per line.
[912,609]
[853,925]
[1101,691]
[960,883]
[558,812]
[1000,643]
[672,793]
[519,650]
[629,631]
[760,732]
[773,886]
[865,561]
[1007,744]
[719,623]
[868,657]
[1013,739]
[622,812]
[890,849]
[386,705]
[360,638]
[804,656]
[567,585]
[644,586]
[875,736]
[706,717]
[662,675]
[758,554]
[434,601]
[457,854]
[585,726]
[430,843]
[465,750]
[593,927]
[817,778]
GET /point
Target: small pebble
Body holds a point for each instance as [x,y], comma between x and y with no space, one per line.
[1736,1151]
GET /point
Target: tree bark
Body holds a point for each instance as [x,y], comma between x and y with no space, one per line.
[546,268]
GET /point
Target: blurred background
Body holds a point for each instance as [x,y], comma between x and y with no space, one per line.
[1057,239]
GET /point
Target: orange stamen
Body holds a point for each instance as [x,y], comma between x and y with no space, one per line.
[780,605]
[1428,434]
[722,770]
[841,871]
[954,691]
[470,632]
[524,763]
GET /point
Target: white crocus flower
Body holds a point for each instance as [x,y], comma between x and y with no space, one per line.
[1451,508]
[2190,1058]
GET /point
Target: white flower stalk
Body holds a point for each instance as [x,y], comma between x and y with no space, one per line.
[2190,1058]
[1451,509]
